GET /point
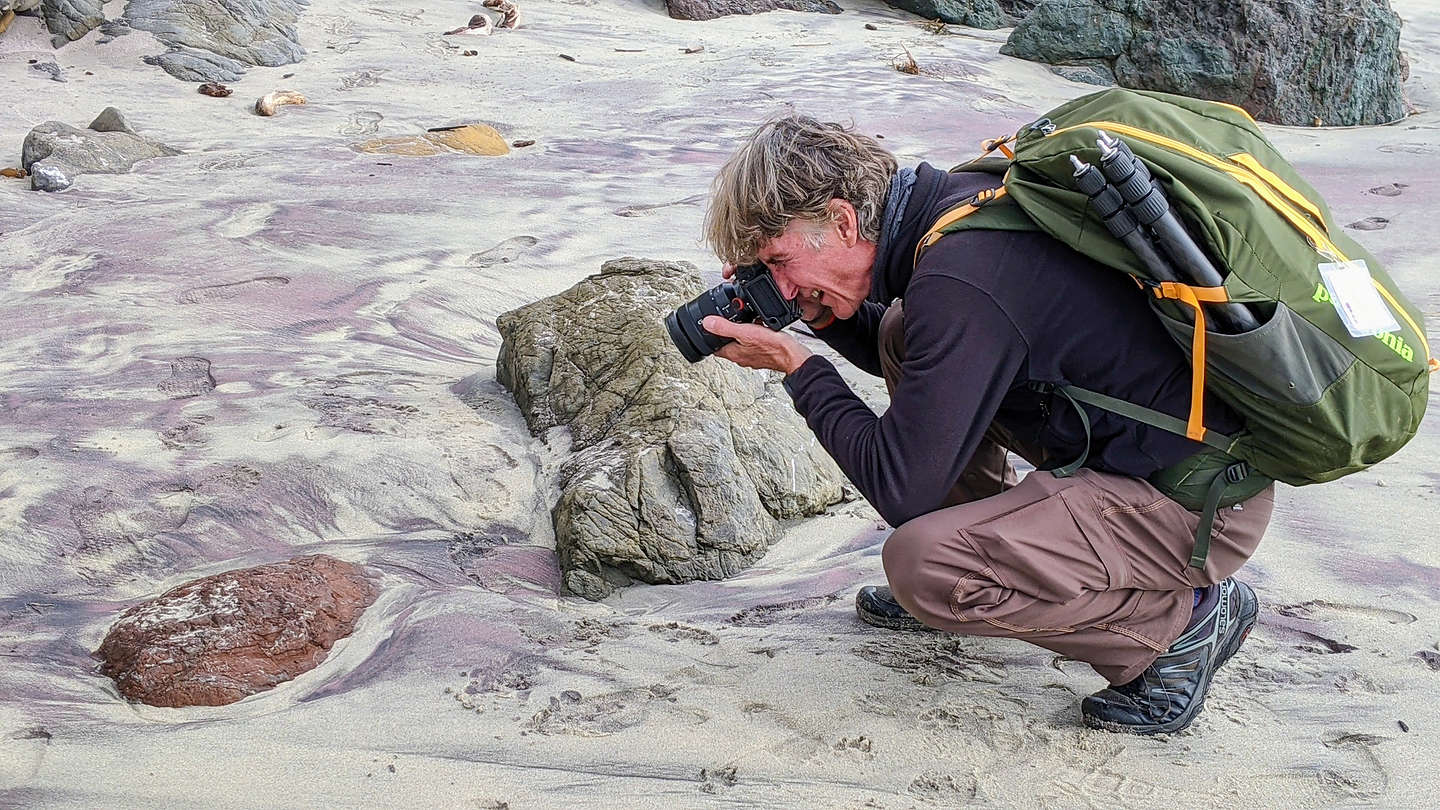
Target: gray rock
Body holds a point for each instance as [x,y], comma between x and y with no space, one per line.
[710,9]
[50,70]
[70,20]
[985,14]
[241,33]
[197,66]
[679,472]
[1335,61]
[49,178]
[110,120]
[1087,72]
[54,153]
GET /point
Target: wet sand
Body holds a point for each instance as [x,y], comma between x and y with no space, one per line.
[274,345]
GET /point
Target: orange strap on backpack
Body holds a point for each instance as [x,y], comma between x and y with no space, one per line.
[1193,297]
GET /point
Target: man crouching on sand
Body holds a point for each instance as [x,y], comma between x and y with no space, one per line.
[971,341]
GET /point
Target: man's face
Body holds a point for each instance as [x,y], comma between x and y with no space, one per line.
[835,274]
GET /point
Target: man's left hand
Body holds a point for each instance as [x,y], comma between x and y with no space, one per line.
[757,347]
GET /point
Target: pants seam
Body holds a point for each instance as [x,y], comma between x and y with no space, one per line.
[1018,629]
[1125,631]
[1133,510]
[954,594]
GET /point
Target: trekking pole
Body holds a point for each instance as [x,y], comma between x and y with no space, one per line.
[1108,203]
[1147,202]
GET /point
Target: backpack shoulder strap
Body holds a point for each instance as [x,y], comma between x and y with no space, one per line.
[991,209]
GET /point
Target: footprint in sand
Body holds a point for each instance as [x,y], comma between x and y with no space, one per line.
[1369,224]
[932,660]
[716,780]
[1388,190]
[230,163]
[674,631]
[365,122]
[1362,776]
[1319,608]
[187,434]
[18,454]
[766,615]
[641,210]
[602,715]
[248,221]
[224,292]
[1407,148]
[935,787]
[361,78]
[503,253]
[189,377]
[410,17]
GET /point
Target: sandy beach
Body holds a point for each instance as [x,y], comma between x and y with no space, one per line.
[345,303]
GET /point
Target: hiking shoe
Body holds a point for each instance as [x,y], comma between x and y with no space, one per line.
[1170,692]
[877,606]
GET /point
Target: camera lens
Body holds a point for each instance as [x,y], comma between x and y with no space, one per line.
[684,323]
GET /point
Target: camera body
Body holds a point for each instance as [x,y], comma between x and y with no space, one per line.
[748,296]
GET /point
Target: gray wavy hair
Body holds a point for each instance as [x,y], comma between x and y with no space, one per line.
[791,168]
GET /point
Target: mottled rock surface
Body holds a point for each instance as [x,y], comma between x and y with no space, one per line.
[710,9]
[54,152]
[680,472]
[1335,61]
[216,40]
[986,14]
[219,639]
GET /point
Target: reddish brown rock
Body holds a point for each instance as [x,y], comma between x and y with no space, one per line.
[216,640]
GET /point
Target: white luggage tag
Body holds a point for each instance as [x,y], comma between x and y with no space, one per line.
[1354,296]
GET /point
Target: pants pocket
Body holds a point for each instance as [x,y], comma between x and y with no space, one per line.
[1052,549]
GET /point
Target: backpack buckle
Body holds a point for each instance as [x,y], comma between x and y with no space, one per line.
[1237,472]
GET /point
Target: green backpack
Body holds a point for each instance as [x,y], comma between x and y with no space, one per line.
[1317,403]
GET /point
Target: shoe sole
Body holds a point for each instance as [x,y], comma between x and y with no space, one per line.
[1247,623]
[889,623]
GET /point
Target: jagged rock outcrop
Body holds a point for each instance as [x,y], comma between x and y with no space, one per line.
[1333,61]
[710,9]
[54,152]
[219,639]
[680,472]
[216,40]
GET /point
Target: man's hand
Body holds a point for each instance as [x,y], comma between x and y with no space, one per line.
[755,346]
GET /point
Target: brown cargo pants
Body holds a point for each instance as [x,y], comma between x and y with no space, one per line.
[1094,567]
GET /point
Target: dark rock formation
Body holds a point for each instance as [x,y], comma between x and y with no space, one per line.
[1335,61]
[710,9]
[216,640]
[971,13]
[216,40]
[679,471]
[54,153]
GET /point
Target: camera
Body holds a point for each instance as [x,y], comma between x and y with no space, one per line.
[749,296]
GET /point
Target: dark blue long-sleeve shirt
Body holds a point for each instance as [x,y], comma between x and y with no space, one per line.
[987,313]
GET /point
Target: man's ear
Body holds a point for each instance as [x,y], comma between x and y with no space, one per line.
[847,222]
